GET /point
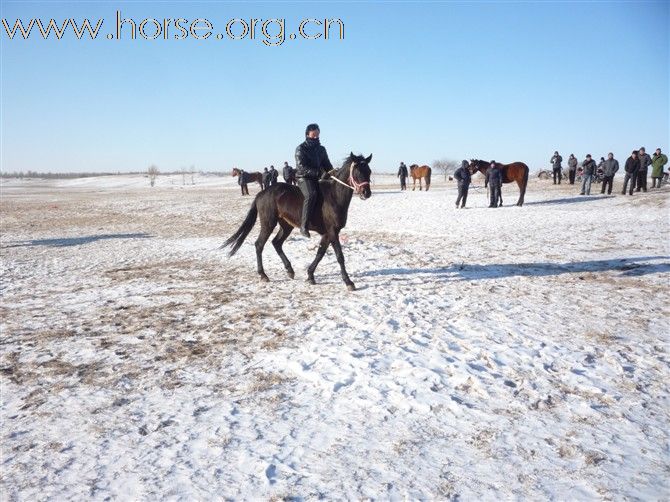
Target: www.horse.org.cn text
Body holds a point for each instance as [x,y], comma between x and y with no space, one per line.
[271,32]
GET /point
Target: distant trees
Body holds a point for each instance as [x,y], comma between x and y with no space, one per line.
[153,174]
[446,166]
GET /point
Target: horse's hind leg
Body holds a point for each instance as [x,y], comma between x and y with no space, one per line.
[337,247]
[323,246]
[284,231]
[522,193]
[266,231]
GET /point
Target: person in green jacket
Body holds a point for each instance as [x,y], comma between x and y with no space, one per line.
[657,162]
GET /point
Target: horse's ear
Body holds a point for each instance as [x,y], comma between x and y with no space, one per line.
[368,159]
[351,155]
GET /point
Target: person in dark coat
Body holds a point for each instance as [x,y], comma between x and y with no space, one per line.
[645,162]
[274,174]
[242,180]
[610,167]
[265,179]
[572,168]
[494,180]
[288,174]
[311,160]
[402,174]
[589,166]
[632,166]
[463,177]
[556,167]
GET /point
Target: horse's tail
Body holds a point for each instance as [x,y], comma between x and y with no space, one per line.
[238,237]
[428,173]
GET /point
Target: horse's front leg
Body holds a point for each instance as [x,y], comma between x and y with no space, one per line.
[323,246]
[420,184]
[413,184]
[337,247]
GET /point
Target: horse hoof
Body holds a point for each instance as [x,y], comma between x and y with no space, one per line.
[291,274]
[351,287]
[264,278]
[310,280]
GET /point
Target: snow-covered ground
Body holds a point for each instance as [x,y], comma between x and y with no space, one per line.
[512,353]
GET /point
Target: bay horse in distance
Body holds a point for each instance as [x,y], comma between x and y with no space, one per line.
[417,172]
[282,204]
[516,171]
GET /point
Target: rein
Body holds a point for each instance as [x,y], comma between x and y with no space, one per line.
[355,186]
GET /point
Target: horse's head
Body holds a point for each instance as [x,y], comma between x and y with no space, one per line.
[359,175]
[413,166]
[477,165]
[236,171]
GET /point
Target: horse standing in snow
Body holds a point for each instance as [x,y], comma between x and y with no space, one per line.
[282,204]
[516,171]
[417,172]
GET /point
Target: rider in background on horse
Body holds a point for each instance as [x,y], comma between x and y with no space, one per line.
[463,177]
[494,179]
[557,168]
[402,174]
[311,160]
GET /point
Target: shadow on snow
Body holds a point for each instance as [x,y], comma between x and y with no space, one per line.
[76,241]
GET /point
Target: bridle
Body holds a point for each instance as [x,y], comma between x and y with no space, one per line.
[352,183]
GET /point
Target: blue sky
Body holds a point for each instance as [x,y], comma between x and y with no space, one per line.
[411,81]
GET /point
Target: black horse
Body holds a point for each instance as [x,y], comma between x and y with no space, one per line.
[282,204]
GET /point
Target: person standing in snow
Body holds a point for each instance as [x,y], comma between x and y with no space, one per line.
[645,162]
[658,161]
[572,168]
[610,167]
[265,178]
[274,174]
[589,166]
[557,168]
[631,168]
[462,176]
[494,179]
[402,174]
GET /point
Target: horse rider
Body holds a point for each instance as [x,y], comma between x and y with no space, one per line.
[463,177]
[274,174]
[557,168]
[402,174]
[311,160]
[494,177]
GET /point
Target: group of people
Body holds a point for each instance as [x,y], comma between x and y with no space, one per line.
[270,177]
[636,171]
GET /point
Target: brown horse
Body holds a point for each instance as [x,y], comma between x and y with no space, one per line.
[249,177]
[281,204]
[516,171]
[418,172]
